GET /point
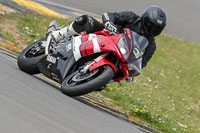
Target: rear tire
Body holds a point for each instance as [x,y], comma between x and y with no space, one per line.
[29,64]
[98,81]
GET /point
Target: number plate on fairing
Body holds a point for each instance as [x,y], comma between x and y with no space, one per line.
[51,59]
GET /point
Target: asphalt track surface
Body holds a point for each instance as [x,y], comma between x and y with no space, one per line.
[183,15]
[29,105]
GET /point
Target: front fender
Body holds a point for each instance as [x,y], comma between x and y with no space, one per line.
[101,61]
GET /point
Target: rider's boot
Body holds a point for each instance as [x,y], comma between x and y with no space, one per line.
[64,32]
[81,23]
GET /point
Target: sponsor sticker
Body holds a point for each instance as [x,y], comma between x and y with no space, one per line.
[159,22]
[136,52]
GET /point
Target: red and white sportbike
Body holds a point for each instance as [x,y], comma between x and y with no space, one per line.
[87,62]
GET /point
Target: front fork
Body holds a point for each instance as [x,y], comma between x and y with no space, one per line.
[99,61]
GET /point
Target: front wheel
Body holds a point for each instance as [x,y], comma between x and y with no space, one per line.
[77,83]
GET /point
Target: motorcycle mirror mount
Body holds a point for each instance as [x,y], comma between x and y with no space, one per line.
[53,26]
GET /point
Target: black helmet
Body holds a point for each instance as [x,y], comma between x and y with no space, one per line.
[154,20]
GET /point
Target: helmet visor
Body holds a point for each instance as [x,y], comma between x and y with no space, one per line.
[151,28]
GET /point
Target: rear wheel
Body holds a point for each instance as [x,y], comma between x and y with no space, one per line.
[30,56]
[79,83]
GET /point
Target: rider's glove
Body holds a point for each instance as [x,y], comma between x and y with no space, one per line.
[112,28]
[59,34]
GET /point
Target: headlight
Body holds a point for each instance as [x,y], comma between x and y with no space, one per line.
[123,48]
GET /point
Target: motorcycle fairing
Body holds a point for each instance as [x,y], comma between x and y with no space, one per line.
[101,61]
[64,62]
[85,45]
[136,45]
[92,43]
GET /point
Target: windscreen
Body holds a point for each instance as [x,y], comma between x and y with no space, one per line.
[137,45]
[132,46]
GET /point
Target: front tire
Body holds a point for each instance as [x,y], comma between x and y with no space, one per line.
[98,79]
[28,63]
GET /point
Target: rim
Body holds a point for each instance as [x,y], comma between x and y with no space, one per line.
[35,51]
[77,77]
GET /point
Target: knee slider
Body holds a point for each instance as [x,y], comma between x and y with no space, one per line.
[81,20]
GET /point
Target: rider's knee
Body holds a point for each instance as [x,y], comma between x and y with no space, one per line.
[81,20]
[86,23]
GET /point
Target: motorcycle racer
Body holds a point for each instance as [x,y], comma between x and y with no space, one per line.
[150,24]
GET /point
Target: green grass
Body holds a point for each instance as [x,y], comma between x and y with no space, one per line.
[166,95]
[8,36]
[34,27]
